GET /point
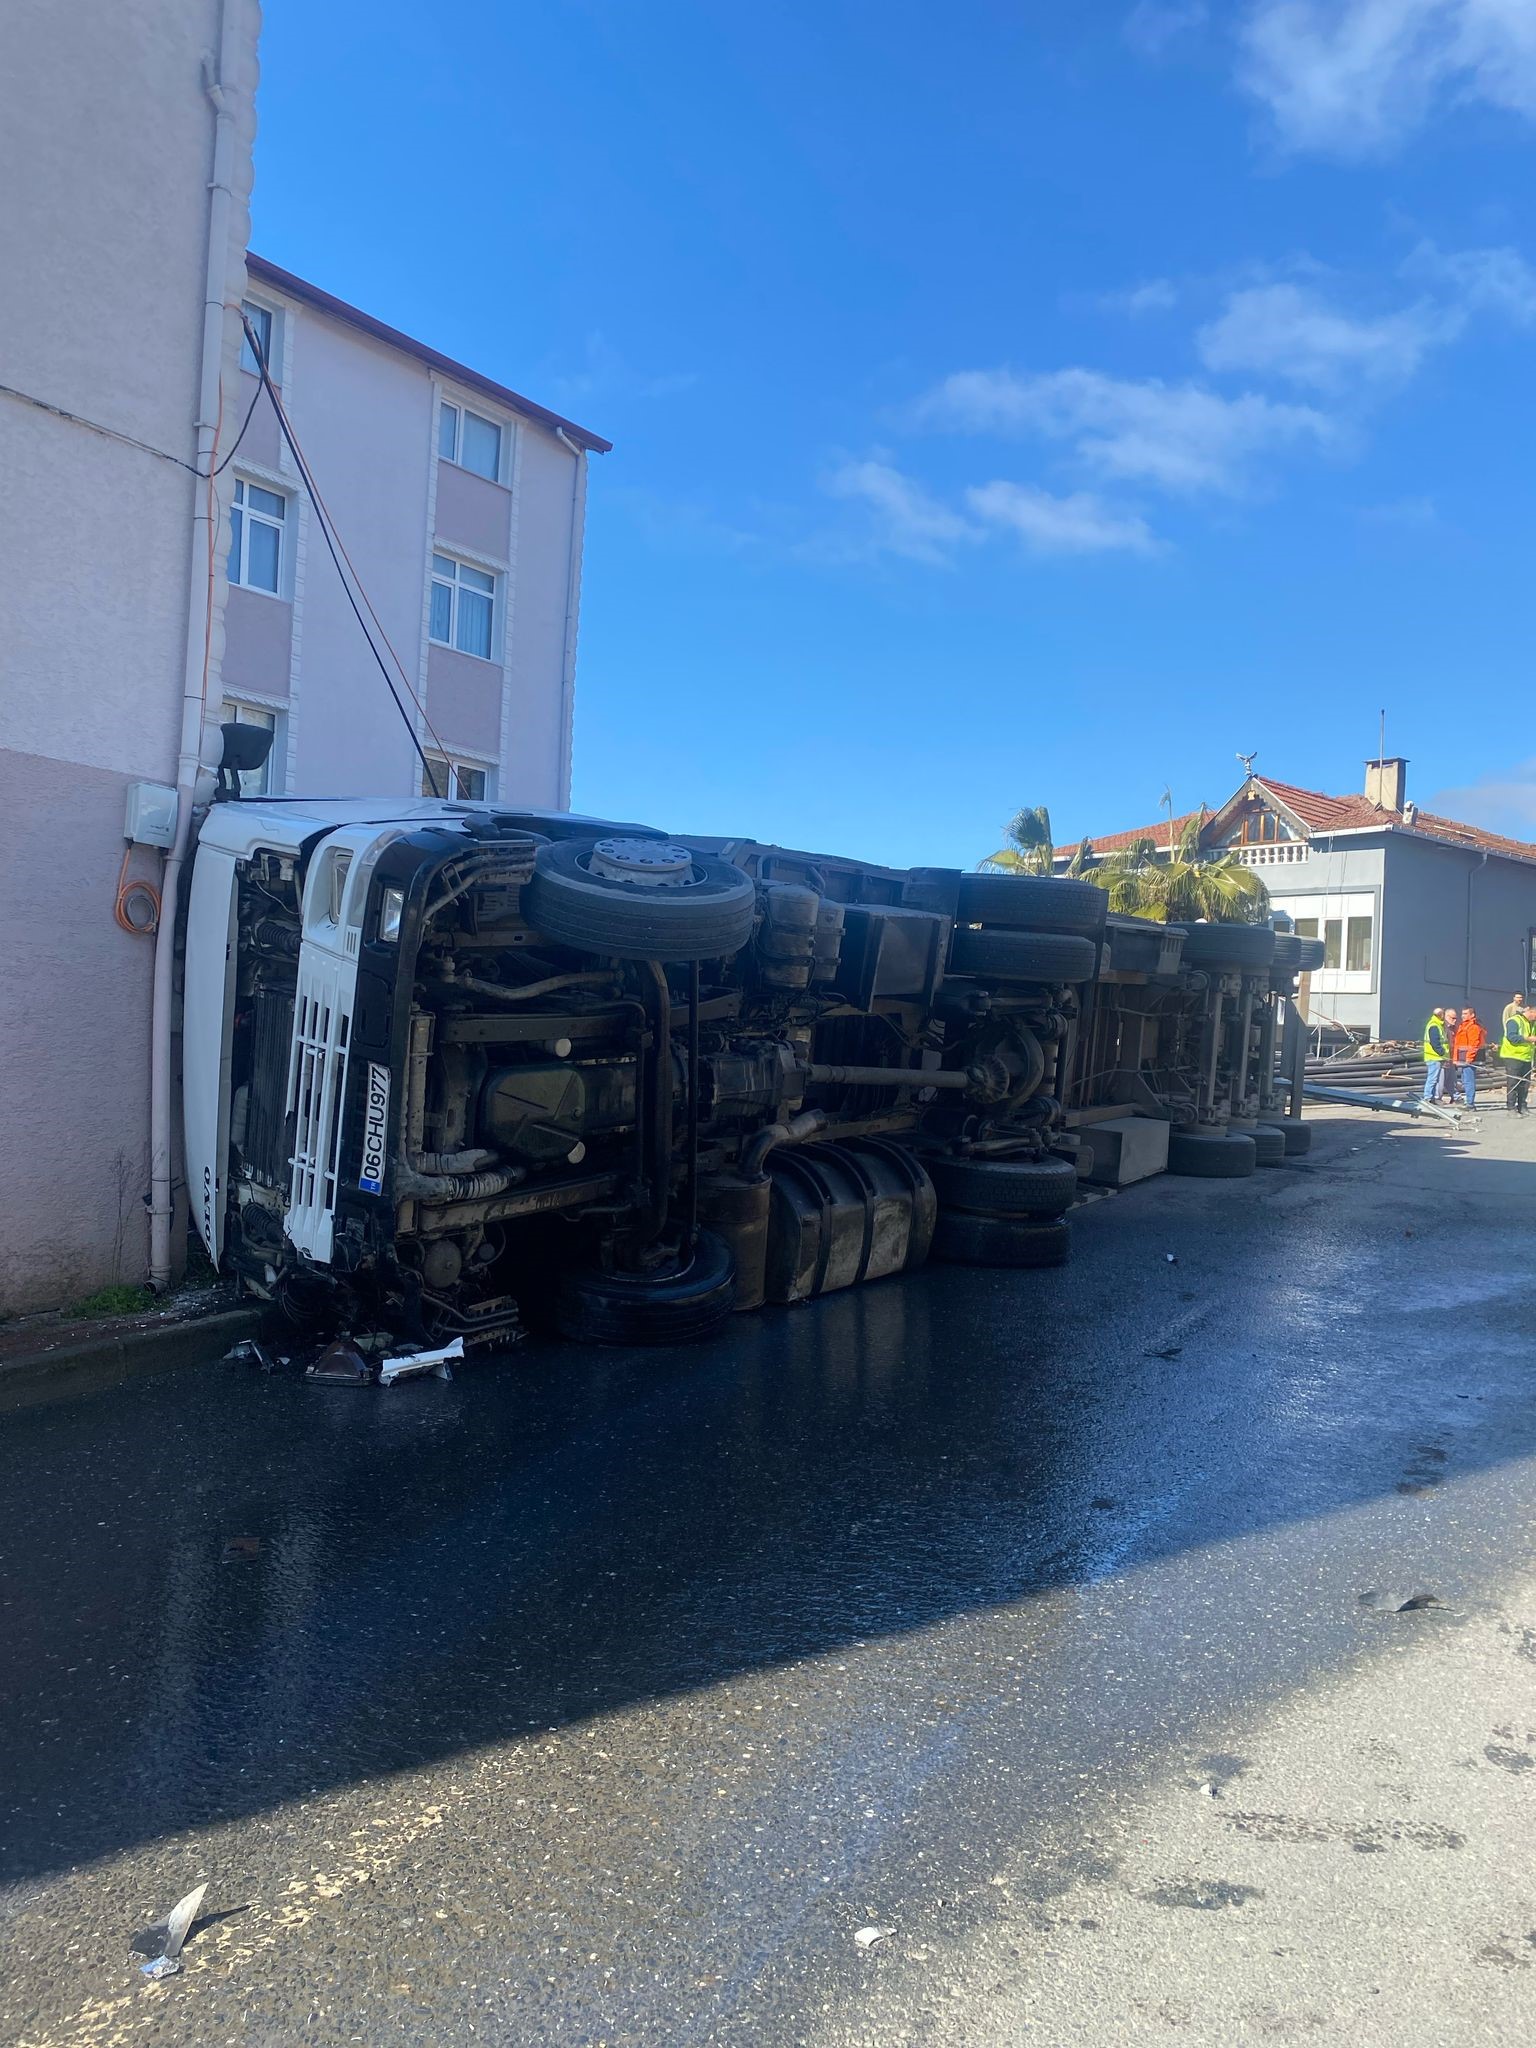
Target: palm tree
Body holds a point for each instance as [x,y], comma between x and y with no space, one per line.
[1031,851]
[1185,884]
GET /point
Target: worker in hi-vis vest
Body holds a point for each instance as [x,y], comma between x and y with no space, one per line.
[1437,1052]
[1515,1050]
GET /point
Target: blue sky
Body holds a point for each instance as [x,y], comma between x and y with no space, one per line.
[1011,403]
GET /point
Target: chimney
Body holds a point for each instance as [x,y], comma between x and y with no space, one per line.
[1386,782]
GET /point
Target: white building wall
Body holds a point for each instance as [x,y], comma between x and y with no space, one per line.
[365,414]
[106,148]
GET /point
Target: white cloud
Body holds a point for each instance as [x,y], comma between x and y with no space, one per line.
[1154,295]
[1152,25]
[1505,802]
[1077,524]
[907,520]
[1182,437]
[1291,331]
[1354,77]
[1481,280]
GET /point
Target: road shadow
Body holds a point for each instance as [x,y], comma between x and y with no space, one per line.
[224,1590]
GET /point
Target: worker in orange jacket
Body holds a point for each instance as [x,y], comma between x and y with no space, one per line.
[1467,1042]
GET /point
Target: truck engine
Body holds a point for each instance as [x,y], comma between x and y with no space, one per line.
[450,1067]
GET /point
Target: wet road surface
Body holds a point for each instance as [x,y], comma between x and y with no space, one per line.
[601,1698]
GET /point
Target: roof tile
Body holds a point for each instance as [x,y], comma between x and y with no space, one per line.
[1321,813]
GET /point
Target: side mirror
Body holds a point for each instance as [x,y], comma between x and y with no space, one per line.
[245,747]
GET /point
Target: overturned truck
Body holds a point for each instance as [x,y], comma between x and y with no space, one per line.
[449,1066]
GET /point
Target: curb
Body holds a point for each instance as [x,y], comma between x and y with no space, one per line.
[93,1363]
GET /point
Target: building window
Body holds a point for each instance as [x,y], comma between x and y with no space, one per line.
[256,521]
[253,781]
[442,777]
[469,440]
[1357,945]
[463,606]
[261,318]
[1306,927]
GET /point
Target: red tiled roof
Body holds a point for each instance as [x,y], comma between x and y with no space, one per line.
[1117,842]
[1324,814]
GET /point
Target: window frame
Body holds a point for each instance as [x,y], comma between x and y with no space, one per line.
[1331,914]
[241,516]
[273,339]
[455,586]
[455,766]
[455,453]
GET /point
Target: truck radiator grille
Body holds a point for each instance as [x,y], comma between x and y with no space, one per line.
[316,1089]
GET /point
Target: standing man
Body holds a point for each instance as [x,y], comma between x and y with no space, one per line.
[1516,1002]
[1448,1078]
[1468,1042]
[1515,1058]
[1437,1051]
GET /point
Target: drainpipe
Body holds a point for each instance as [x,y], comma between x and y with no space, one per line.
[572,596]
[217,84]
[1472,875]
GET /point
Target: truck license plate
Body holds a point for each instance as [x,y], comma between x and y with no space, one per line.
[375,1130]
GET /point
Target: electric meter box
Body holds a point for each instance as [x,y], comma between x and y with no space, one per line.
[150,816]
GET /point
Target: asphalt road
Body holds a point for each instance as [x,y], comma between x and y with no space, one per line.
[1048,1620]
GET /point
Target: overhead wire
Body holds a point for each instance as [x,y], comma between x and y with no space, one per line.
[338,553]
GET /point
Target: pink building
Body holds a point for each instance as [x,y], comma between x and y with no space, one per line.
[460,503]
[143,602]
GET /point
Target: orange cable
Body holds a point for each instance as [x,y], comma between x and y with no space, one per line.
[126,893]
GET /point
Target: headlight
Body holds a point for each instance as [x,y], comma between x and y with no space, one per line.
[391,907]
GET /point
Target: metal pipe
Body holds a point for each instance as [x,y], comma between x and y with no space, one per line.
[692,1210]
[572,599]
[220,86]
[884,1077]
[529,989]
[657,1113]
[1472,875]
[793,1131]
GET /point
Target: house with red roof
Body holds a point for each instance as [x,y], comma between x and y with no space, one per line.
[1414,910]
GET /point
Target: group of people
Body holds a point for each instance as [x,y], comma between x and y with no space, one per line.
[1453,1040]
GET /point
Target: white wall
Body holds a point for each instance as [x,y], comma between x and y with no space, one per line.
[106,146]
[365,414]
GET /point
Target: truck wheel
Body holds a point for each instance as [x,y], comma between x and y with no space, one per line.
[639,899]
[1212,1155]
[1004,1187]
[692,1300]
[1268,1145]
[1296,1133]
[1313,953]
[963,1239]
[1228,945]
[1287,954]
[1022,956]
[1032,903]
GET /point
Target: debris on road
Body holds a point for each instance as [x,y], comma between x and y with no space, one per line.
[1417,1602]
[867,1937]
[415,1364]
[341,1364]
[171,1938]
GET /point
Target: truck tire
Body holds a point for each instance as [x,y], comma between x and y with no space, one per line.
[707,917]
[1297,1135]
[1313,953]
[1212,1155]
[1004,1187]
[691,1302]
[963,1239]
[1022,956]
[1268,1145]
[1287,954]
[1228,945]
[1032,903]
